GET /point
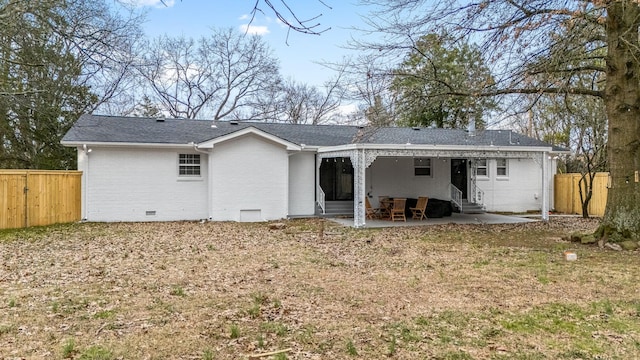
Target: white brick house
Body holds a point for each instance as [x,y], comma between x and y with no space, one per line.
[144,169]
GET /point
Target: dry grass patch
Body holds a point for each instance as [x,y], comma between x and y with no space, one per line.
[228,290]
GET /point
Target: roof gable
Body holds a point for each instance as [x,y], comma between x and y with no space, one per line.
[248,131]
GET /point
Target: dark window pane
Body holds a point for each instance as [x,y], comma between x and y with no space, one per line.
[422,171]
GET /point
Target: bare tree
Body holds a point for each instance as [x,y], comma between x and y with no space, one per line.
[295,102]
[299,103]
[589,134]
[305,104]
[216,77]
[291,17]
[178,76]
[367,82]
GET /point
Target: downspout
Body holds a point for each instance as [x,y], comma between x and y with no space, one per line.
[26,199]
[545,187]
[85,197]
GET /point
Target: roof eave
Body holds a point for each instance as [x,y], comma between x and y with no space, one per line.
[410,146]
[76,143]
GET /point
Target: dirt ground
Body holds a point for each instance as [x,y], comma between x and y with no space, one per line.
[190,290]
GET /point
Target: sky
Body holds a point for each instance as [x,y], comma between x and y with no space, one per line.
[298,53]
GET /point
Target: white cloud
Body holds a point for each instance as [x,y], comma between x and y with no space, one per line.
[348,108]
[279,22]
[254,30]
[244,17]
[151,3]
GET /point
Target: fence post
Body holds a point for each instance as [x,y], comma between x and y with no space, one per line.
[26,199]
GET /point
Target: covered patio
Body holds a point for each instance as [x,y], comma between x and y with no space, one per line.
[390,160]
[455,218]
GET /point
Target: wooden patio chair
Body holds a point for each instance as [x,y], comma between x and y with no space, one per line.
[371,212]
[419,212]
[385,207]
[397,211]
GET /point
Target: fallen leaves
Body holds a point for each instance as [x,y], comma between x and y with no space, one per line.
[184,289]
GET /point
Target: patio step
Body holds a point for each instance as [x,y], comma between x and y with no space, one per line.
[337,208]
[472,208]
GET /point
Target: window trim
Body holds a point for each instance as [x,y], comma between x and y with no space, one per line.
[420,163]
[196,163]
[505,167]
[485,167]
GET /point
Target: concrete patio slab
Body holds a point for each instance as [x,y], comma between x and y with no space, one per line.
[455,218]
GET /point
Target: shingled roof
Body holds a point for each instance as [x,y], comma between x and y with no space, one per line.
[117,129]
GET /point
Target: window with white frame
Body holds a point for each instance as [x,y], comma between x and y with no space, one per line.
[422,167]
[502,168]
[189,165]
[481,168]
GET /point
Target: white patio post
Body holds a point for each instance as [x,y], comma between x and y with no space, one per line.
[359,188]
[318,200]
[545,186]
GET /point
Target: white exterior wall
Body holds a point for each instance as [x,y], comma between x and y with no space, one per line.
[124,184]
[249,179]
[395,177]
[302,168]
[520,191]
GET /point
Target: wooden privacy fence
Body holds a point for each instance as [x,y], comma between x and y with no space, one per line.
[567,196]
[39,197]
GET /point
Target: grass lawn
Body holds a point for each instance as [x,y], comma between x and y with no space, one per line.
[191,290]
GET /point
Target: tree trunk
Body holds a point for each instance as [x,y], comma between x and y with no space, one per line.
[622,100]
[586,192]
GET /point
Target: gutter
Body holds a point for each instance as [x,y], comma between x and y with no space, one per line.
[125,144]
[195,148]
[408,146]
